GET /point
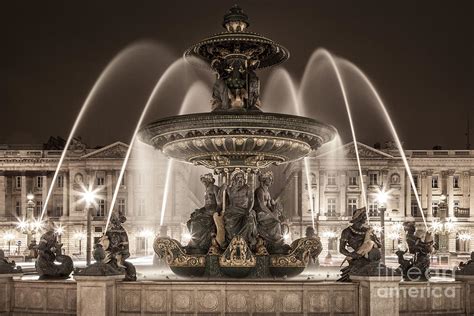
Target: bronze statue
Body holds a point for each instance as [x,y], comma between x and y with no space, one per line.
[6,266]
[268,215]
[364,243]
[239,216]
[49,251]
[201,224]
[416,268]
[466,268]
[116,246]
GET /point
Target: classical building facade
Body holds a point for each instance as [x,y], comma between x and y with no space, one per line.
[26,169]
[334,189]
[329,197]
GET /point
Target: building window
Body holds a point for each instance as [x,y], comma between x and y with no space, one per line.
[100,178]
[462,244]
[39,182]
[331,178]
[415,180]
[18,208]
[60,181]
[139,178]
[121,206]
[331,207]
[373,208]
[414,208]
[434,182]
[373,179]
[352,180]
[351,206]
[456,182]
[38,208]
[18,182]
[97,229]
[58,208]
[101,208]
[141,207]
[435,207]
[141,244]
[332,243]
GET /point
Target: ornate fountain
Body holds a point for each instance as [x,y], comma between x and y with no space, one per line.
[239,231]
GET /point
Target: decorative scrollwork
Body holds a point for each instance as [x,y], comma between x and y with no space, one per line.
[302,250]
[174,254]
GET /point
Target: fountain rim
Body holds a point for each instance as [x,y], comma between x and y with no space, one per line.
[231,114]
[238,36]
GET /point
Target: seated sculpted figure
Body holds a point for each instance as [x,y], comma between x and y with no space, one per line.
[239,216]
[268,215]
[359,244]
[201,224]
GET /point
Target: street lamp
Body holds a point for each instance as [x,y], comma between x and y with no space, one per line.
[89,196]
[443,227]
[9,236]
[382,198]
[79,236]
[28,224]
[146,234]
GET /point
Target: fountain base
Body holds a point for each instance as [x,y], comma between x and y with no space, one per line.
[238,261]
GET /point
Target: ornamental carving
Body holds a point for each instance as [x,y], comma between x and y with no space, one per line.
[174,254]
[237,254]
[302,250]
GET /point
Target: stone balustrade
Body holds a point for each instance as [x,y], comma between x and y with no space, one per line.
[367,296]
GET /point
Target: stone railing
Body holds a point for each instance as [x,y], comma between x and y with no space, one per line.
[103,296]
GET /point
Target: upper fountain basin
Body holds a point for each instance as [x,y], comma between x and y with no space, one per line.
[241,139]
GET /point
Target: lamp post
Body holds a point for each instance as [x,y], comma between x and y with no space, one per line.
[79,236]
[382,198]
[28,224]
[443,228]
[9,236]
[89,197]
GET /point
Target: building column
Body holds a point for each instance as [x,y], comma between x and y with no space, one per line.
[343,193]
[296,193]
[423,191]
[44,194]
[3,187]
[471,194]
[130,194]
[385,179]
[366,187]
[465,189]
[408,190]
[72,199]
[23,195]
[322,184]
[109,184]
[65,194]
[429,194]
[450,192]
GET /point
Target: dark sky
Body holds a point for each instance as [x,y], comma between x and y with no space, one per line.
[419,54]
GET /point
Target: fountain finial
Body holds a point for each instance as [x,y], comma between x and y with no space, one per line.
[236,20]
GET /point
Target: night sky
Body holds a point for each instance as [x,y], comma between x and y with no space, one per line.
[419,55]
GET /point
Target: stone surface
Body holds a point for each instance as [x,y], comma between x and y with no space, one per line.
[96,295]
[237,298]
[378,295]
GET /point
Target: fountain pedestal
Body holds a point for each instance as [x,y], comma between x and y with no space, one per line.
[378,295]
[96,295]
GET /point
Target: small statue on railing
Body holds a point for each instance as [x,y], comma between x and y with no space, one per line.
[7,266]
[416,268]
[116,246]
[364,258]
[466,268]
[49,251]
[201,225]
